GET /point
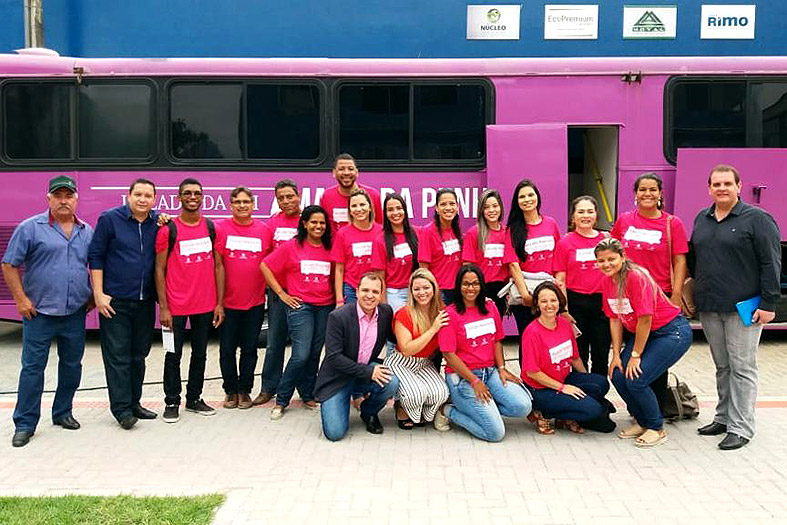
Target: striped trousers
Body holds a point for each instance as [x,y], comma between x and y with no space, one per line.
[421,389]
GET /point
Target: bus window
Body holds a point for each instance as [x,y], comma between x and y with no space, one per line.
[769,128]
[374,121]
[37,121]
[205,121]
[283,121]
[449,122]
[116,121]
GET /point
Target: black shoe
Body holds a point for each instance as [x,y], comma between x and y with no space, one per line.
[200,407]
[373,425]
[601,424]
[712,429]
[733,441]
[141,412]
[171,414]
[21,438]
[68,422]
[128,422]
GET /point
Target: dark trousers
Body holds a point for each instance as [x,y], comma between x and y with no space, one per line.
[200,330]
[240,328]
[125,344]
[37,335]
[595,340]
[492,288]
[273,364]
[554,404]
[523,317]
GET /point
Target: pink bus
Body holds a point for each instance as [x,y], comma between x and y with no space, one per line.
[575,126]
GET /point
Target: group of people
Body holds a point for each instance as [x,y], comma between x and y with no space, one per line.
[392,303]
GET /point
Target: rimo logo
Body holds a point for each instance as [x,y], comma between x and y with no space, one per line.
[728,21]
[649,23]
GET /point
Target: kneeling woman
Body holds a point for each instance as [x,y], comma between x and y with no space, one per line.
[421,389]
[481,388]
[661,335]
[554,372]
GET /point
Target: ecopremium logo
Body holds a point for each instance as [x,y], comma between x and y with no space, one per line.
[649,23]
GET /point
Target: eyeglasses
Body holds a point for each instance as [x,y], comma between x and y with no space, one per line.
[474,284]
[189,193]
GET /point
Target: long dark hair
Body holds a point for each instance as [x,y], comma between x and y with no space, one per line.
[409,234]
[517,227]
[306,214]
[454,223]
[480,299]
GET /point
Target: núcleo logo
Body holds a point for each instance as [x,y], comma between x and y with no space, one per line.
[493,16]
[493,22]
[728,22]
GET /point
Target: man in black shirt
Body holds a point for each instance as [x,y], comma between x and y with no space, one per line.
[737,257]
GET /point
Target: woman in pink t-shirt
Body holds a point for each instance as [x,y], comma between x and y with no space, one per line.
[481,387]
[440,243]
[575,270]
[352,248]
[533,237]
[647,234]
[305,264]
[487,245]
[660,337]
[554,373]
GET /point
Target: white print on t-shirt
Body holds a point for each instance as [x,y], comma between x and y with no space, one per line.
[340,215]
[402,250]
[284,234]
[561,352]
[450,246]
[493,251]
[620,306]
[540,244]
[642,235]
[246,244]
[585,255]
[315,267]
[192,246]
[362,249]
[480,328]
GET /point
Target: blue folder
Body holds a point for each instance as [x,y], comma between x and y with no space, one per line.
[747,308]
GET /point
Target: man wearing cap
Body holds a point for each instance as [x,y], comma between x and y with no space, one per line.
[52,300]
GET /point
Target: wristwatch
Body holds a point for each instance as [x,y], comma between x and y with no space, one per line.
[636,354]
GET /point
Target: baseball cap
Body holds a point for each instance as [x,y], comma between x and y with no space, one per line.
[62,181]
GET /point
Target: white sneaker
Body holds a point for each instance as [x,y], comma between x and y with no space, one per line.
[277,413]
[441,422]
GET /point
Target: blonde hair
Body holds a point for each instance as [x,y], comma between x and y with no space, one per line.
[423,320]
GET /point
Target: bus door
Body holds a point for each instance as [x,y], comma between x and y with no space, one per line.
[538,152]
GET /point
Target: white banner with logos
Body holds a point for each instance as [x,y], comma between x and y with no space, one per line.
[727,22]
[648,22]
[570,22]
[493,22]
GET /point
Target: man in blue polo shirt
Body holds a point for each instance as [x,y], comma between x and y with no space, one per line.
[52,300]
[122,258]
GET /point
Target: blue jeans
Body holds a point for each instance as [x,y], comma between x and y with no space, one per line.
[37,335]
[350,296]
[554,404]
[664,348]
[240,328]
[335,411]
[307,333]
[484,420]
[277,340]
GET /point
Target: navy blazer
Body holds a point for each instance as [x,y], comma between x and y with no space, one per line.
[342,338]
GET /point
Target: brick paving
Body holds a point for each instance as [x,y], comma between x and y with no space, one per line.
[286,472]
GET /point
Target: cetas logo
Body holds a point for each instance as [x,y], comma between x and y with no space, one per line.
[649,23]
[493,15]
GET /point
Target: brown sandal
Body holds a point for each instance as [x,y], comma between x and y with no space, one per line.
[543,425]
[569,424]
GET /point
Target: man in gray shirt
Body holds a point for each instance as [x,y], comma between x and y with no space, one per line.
[737,257]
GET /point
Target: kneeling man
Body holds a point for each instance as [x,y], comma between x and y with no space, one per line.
[355,334]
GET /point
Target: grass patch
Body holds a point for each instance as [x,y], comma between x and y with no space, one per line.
[112,510]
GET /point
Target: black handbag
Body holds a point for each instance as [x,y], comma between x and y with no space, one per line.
[680,402]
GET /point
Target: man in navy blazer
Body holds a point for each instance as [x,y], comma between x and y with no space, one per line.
[354,337]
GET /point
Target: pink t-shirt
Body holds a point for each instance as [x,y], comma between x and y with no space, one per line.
[191,277]
[442,253]
[548,350]
[242,248]
[640,298]
[335,205]
[574,255]
[306,270]
[471,336]
[282,228]
[645,242]
[540,246]
[496,256]
[353,248]
[397,270]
